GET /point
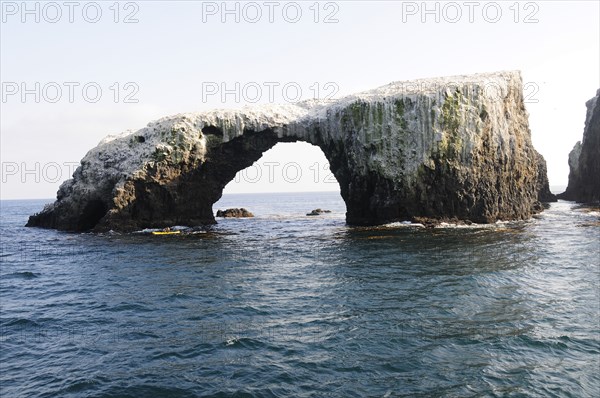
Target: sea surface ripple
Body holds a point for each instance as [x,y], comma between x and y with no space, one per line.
[287,305]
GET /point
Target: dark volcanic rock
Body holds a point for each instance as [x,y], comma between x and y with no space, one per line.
[584,159]
[318,212]
[543,186]
[237,213]
[447,148]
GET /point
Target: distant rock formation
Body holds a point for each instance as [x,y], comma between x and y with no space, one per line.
[318,212]
[543,185]
[584,159]
[447,148]
[234,213]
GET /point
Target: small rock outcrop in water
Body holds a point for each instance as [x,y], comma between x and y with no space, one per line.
[456,147]
[237,213]
[318,212]
[584,159]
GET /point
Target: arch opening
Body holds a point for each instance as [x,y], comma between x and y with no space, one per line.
[298,172]
[286,167]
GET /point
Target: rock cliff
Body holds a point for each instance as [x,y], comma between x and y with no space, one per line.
[584,159]
[447,148]
[543,185]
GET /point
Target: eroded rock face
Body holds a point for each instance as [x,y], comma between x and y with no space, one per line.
[543,185]
[448,148]
[584,159]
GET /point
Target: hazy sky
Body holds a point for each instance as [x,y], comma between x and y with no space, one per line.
[74,72]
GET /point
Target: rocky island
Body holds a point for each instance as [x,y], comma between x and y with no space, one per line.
[436,149]
[318,212]
[234,213]
[584,159]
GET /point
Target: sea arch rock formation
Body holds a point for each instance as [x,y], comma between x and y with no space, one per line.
[456,147]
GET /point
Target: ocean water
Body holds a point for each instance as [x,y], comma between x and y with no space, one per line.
[284,305]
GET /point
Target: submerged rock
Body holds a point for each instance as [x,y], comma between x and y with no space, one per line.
[236,213]
[584,159]
[318,212]
[456,147]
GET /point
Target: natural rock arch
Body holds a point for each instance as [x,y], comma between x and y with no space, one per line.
[435,149]
[242,151]
[188,199]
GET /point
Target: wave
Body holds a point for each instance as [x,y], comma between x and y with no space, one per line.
[23,275]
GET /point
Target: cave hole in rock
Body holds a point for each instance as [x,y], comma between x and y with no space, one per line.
[298,173]
[212,130]
[93,211]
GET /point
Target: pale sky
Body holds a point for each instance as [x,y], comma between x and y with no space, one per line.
[179,56]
